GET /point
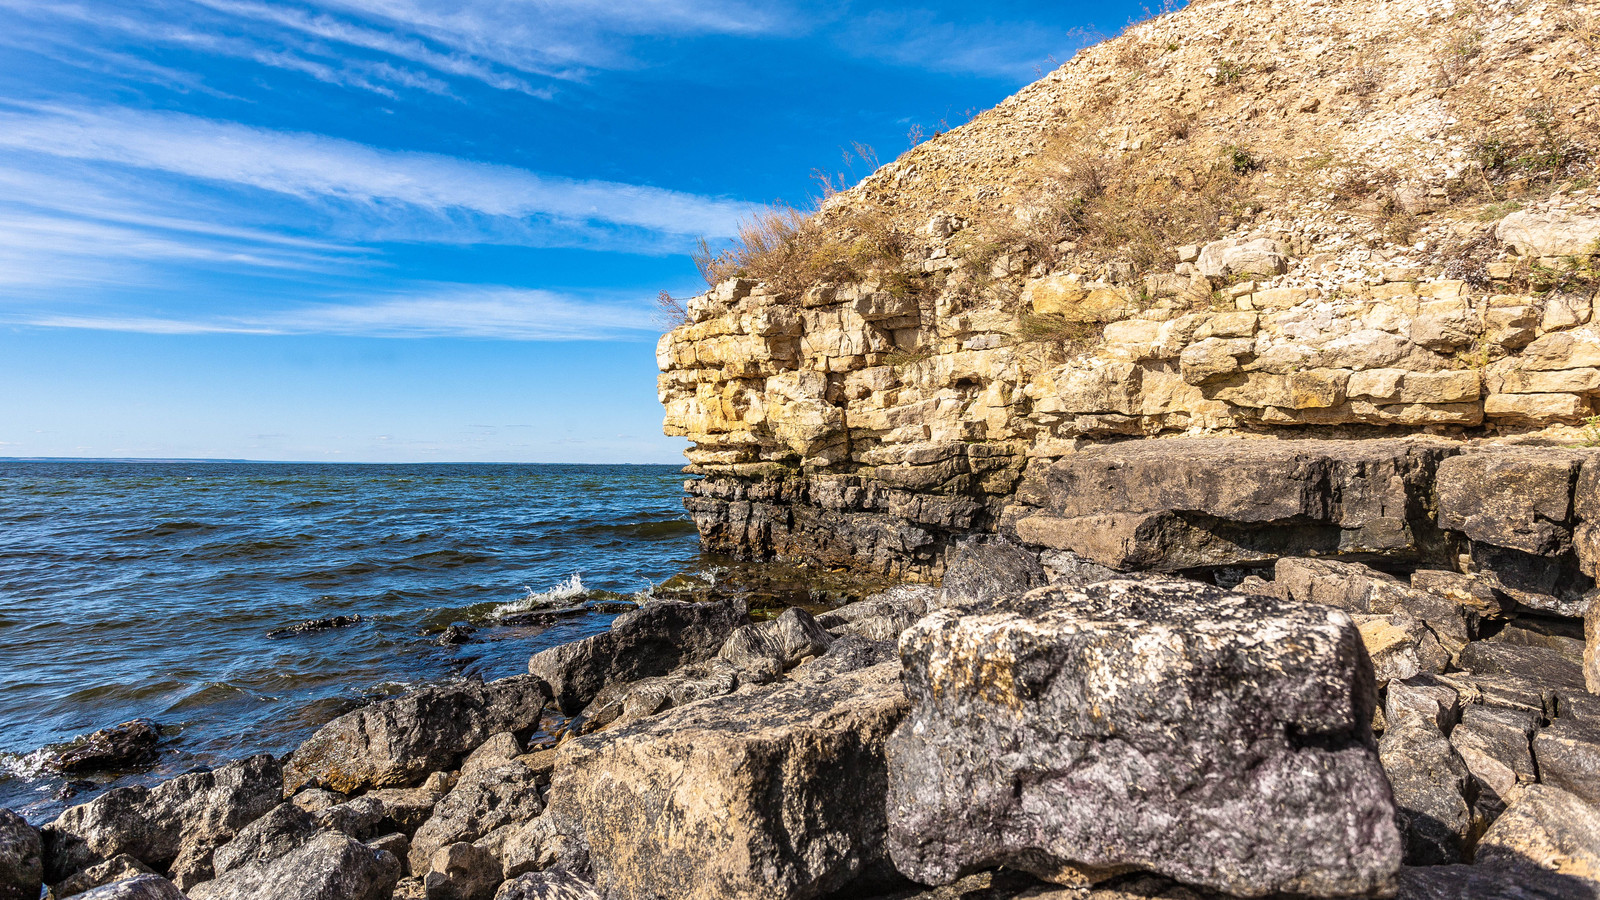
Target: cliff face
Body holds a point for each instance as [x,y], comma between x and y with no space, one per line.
[1329,220]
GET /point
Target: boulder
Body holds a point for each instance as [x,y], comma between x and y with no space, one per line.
[881,617]
[1547,828]
[328,866]
[1361,589]
[281,831]
[1241,256]
[1400,647]
[556,885]
[496,751]
[1169,505]
[652,640]
[626,701]
[984,569]
[1568,757]
[121,867]
[849,653]
[1068,569]
[1538,665]
[1509,497]
[139,887]
[398,742]
[483,801]
[1429,779]
[461,871]
[173,827]
[764,795]
[784,641]
[1494,743]
[1553,233]
[1218,738]
[1498,882]
[540,845]
[118,747]
[21,858]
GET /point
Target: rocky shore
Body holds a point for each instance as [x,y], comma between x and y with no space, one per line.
[1222,409]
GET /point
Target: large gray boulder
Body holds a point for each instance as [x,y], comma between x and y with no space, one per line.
[484,800]
[1218,738]
[21,860]
[1429,778]
[987,568]
[398,742]
[783,642]
[330,866]
[1550,829]
[652,640]
[772,794]
[174,827]
[1183,503]
[1568,756]
[558,884]
[140,887]
[283,830]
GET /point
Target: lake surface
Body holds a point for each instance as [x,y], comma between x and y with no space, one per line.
[149,589]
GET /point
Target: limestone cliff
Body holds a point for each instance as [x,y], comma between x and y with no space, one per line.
[1247,217]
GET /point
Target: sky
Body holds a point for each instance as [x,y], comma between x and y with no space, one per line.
[411,230]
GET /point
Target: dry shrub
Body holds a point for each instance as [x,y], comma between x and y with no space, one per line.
[790,250]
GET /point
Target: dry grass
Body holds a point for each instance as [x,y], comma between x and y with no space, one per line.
[790,250]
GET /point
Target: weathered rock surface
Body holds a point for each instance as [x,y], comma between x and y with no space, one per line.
[1591,648]
[118,868]
[484,800]
[556,885]
[398,742]
[461,871]
[982,570]
[1219,738]
[782,642]
[1539,665]
[119,746]
[741,796]
[173,827]
[1185,503]
[1429,779]
[1495,745]
[326,867]
[21,861]
[281,831]
[653,640]
[141,887]
[1568,755]
[1400,647]
[1550,829]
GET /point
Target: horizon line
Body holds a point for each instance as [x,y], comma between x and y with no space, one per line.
[313,462]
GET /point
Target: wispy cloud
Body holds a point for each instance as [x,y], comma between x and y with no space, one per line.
[923,39]
[501,313]
[314,167]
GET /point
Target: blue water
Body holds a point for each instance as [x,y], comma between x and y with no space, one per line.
[148,589]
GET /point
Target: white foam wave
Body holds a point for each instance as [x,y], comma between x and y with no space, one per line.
[563,592]
[26,766]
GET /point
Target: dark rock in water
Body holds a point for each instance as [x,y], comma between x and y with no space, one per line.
[140,887]
[175,826]
[1539,665]
[455,634]
[764,795]
[558,884]
[542,617]
[1568,756]
[328,866]
[460,871]
[791,637]
[21,858]
[398,742]
[311,625]
[986,569]
[652,640]
[118,747]
[1181,504]
[483,801]
[1429,779]
[609,607]
[118,868]
[283,830]
[1217,738]
[1546,828]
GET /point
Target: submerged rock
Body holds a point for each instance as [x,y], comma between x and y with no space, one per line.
[398,742]
[175,826]
[1218,738]
[118,747]
[775,794]
[652,640]
[311,625]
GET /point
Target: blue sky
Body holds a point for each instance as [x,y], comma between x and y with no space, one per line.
[422,229]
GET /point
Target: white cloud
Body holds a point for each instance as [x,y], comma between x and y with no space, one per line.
[495,312]
[314,167]
[922,39]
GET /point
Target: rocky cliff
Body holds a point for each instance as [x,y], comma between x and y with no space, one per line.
[1327,220]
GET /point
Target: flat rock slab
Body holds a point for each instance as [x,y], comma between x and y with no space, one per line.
[1218,738]
[766,795]
[1175,504]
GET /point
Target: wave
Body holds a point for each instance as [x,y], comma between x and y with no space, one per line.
[559,595]
[644,531]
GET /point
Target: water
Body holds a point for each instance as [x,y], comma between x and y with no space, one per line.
[148,589]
